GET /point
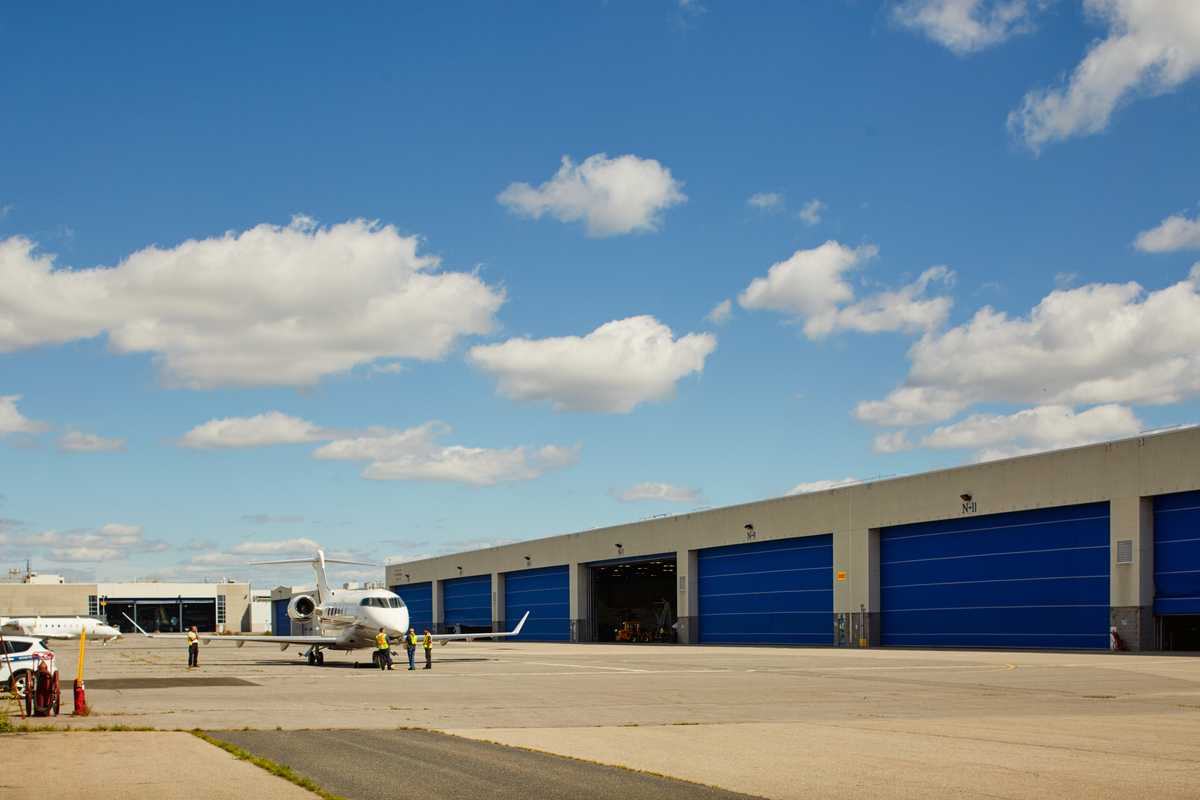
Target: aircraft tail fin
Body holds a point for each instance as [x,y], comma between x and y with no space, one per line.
[318,563]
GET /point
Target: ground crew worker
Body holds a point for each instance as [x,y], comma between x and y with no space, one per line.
[193,644]
[383,651]
[410,644]
[428,643]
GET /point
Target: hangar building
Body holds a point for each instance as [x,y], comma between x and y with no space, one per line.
[157,607]
[1040,551]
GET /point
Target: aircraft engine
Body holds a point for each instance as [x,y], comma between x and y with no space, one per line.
[301,608]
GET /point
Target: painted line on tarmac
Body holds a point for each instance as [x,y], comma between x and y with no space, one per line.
[583,666]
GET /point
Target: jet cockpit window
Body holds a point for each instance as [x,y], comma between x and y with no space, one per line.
[395,602]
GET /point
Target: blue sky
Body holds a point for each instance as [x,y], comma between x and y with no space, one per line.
[326,276]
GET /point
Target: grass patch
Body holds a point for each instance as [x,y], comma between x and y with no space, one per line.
[280,770]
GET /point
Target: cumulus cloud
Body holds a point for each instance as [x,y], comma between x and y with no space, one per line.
[968,26]
[765,201]
[811,212]
[110,542]
[656,492]
[12,420]
[1094,344]
[299,546]
[612,196]
[613,369]
[1032,430]
[416,454]
[269,306]
[720,313]
[79,442]
[273,519]
[892,442]
[812,285]
[261,430]
[822,485]
[1152,47]
[1176,232]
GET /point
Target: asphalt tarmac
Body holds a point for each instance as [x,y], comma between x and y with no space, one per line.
[384,765]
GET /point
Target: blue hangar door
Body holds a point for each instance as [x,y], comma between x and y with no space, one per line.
[419,599]
[281,623]
[1035,579]
[776,592]
[467,602]
[1177,554]
[545,594]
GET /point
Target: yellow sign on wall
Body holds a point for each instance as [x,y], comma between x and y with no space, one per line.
[841,575]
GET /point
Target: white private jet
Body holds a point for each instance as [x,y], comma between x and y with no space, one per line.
[348,619]
[59,628]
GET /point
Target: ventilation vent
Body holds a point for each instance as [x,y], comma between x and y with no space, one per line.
[1125,551]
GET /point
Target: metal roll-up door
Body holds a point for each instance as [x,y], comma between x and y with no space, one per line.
[419,599]
[467,602]
[546,594]
[281,623]
[775,592]
[1177,554]
[1036,579]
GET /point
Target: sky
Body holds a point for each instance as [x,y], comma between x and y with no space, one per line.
[407,279]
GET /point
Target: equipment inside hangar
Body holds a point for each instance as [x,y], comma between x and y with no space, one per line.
[634,600]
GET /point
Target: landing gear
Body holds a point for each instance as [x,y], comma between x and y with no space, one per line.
[315,657]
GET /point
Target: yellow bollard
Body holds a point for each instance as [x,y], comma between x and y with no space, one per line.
[81,707]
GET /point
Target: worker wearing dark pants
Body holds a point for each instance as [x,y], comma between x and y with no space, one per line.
[427,642]
[410,644]
[193,642]
[383,650]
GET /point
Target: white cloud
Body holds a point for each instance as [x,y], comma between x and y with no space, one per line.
[78,442]
[822,485]
[270,306]
[968,26]
[1033,430]
[891,442]
[613,369]
[1095,344]
[766,201]
[416,454]
[12,420]
[657,492]
[299,546]
[813,286]
[1152,47]
[110,542]
[273,519]
[720,313]
[811,212]
[261,430]
[611,196]
[1176,232]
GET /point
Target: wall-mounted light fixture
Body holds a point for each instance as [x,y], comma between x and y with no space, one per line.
[459,570]
[620,549]
[527,560]
[750,532]
[406,576]
[965,497]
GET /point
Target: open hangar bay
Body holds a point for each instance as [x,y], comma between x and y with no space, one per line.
[1048,551]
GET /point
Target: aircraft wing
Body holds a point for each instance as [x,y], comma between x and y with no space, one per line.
[240,639]
[466,637]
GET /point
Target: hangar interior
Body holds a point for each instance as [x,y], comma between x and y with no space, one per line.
[1086,548]
[633,600]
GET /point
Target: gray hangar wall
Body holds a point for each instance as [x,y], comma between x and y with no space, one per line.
[1044,551]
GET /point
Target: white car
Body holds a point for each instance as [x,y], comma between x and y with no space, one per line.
[19,659]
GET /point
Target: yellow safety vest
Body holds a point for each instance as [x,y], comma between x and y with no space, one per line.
[412,640]
[192,638]
[381,641]
[428,642]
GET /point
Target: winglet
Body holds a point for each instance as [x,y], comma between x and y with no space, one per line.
[517,630]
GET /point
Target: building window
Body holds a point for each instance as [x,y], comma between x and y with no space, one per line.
[93,606]
[220,609]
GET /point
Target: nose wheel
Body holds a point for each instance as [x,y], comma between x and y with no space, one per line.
[315,657]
